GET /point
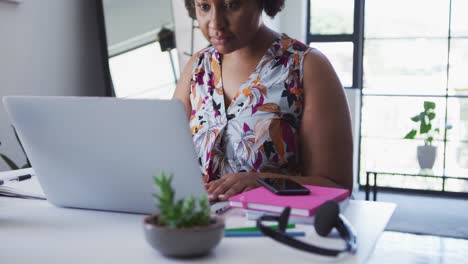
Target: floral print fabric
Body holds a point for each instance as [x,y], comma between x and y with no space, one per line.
[258,130]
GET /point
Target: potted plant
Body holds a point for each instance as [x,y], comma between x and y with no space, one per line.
[426,153]
[181,228]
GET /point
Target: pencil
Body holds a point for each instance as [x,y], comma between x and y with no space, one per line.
[256,234]
[253,228]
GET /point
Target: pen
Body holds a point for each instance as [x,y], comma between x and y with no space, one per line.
[253,228]
[256,234]
[15,178]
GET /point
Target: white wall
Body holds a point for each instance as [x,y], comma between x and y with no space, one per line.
[354,101]
[47,47]
[291,19]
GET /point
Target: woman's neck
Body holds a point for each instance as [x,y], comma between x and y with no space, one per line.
[262,40]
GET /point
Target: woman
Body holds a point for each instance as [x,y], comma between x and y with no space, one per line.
[261,104]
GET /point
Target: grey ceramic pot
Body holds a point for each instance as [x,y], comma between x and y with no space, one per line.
[183,242]
[426,156]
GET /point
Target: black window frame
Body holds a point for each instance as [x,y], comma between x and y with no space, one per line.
[357,38]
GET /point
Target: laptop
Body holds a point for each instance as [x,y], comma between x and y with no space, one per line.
[102,153]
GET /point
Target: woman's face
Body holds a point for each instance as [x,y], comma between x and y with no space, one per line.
[228,24]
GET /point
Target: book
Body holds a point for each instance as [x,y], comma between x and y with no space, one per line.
[293,219]
[261,199]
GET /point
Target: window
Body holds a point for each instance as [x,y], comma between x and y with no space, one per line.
[144,73]
[331,17]
[332,30]
[409,52]
[138,67]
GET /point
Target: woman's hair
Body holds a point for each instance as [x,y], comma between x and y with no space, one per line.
[271,7]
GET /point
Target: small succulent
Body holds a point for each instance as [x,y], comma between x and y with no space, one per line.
[180,213]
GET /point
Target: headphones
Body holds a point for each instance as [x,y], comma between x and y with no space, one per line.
[326,218]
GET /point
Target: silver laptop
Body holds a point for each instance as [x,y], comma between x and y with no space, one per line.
[102,153]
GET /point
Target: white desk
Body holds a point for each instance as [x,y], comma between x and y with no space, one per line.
[33,231]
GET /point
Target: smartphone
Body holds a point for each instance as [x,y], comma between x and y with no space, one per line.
[283,186]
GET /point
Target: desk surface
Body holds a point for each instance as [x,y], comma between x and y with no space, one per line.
[34,231]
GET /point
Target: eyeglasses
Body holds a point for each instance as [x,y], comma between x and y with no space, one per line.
[322,216]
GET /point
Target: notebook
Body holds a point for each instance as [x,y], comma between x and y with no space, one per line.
[253,215]
[262,199]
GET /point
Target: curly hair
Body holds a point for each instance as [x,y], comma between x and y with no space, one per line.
[271,7]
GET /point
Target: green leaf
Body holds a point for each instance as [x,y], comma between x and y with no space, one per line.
[431,116]
[189,206]
[437,130]
[428,140]
[429,105]
[416,118]
[9,162]
[422,125]
[422,115]
[424,128]
[411,134]
[180,213]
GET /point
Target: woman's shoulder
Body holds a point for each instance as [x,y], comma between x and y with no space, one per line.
[293,45]
[314,56]
[206,53]
[203,58]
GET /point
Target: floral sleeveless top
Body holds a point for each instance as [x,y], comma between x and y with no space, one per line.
[258,131]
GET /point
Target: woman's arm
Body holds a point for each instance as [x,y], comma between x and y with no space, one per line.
[326,134]
[182,91]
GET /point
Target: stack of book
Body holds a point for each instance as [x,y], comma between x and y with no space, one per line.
[261,201]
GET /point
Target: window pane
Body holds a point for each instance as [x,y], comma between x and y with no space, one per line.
[457,110]
[385,121]
[454,185]
[414,66]
[403,18]
[456,160]
[340,55]
[144,72]
[396,155]
[459,22]
[407,182]
[458,73]
[390,117]
[331,17]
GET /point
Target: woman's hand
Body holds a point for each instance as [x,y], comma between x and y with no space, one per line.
[231,184]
